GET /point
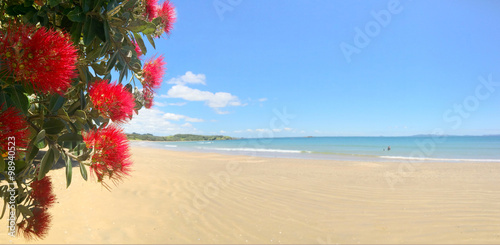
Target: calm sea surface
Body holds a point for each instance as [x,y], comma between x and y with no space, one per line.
[426,148]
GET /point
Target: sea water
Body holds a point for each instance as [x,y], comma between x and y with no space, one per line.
[420,148]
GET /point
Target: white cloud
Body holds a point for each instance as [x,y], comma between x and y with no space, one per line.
[159,104]
[177,104]
[213,100]
[177,117]
[262,99]
[288,129]
[157,122]
[189,77]
[222,132]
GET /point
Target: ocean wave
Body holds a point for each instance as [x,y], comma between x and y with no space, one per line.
[440,159]
[253,150]
[172,146]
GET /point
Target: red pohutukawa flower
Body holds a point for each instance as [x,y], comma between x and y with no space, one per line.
[151,9]
[112,100]
[36,226]
[137,49]
[44,58]
[153,72]
[14,130]
[168,16]
[111,157]
[42,192]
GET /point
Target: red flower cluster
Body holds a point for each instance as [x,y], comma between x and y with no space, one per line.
[111,157]
[153,72]
[42,192]
[13,128]
[168,16]
[44,58]
[37,225]
[112,100]
[151,9]
[137,49]
[166,12]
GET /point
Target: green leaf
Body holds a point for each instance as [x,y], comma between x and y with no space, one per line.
[70,137]
[69,171]
[32,151]
[100,69]
[53,3]
[25,211]
[79,148]
[53,126]
[20,165]
[98,27]
[41,145]
[74,107]
[139,25]
[18,98]
[129,4]
[87,5]
[83,171]
[81,114]
[112,61]
[151,41]
[157,20]
[140,42]
[76,15]
[47,162]
[88,31]
[2,164]
[63,114]
[56,102]
[57,153]
[123,72]
[15,10]
[39,137]
[106,30]
[76,32]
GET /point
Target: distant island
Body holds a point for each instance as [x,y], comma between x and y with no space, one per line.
[177,137]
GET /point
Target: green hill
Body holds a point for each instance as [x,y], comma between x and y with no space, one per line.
[177,137]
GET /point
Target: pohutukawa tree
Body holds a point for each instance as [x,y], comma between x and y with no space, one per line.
[58,98]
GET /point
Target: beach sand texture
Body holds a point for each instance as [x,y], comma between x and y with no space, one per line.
[183,197]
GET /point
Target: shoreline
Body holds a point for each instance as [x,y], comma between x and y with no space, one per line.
[187,197]
[305,155]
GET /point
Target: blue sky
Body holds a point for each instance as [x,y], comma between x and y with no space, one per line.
[269,68]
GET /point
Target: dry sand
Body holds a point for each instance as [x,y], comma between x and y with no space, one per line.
[181,197]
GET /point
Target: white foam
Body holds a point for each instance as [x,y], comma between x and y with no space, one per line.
[250,150]
[440,159]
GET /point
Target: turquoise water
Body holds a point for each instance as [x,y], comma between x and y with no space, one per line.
[428,148]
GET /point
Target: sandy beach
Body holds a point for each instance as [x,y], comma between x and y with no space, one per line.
[183,197]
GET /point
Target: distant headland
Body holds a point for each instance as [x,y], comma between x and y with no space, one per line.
[178,137]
